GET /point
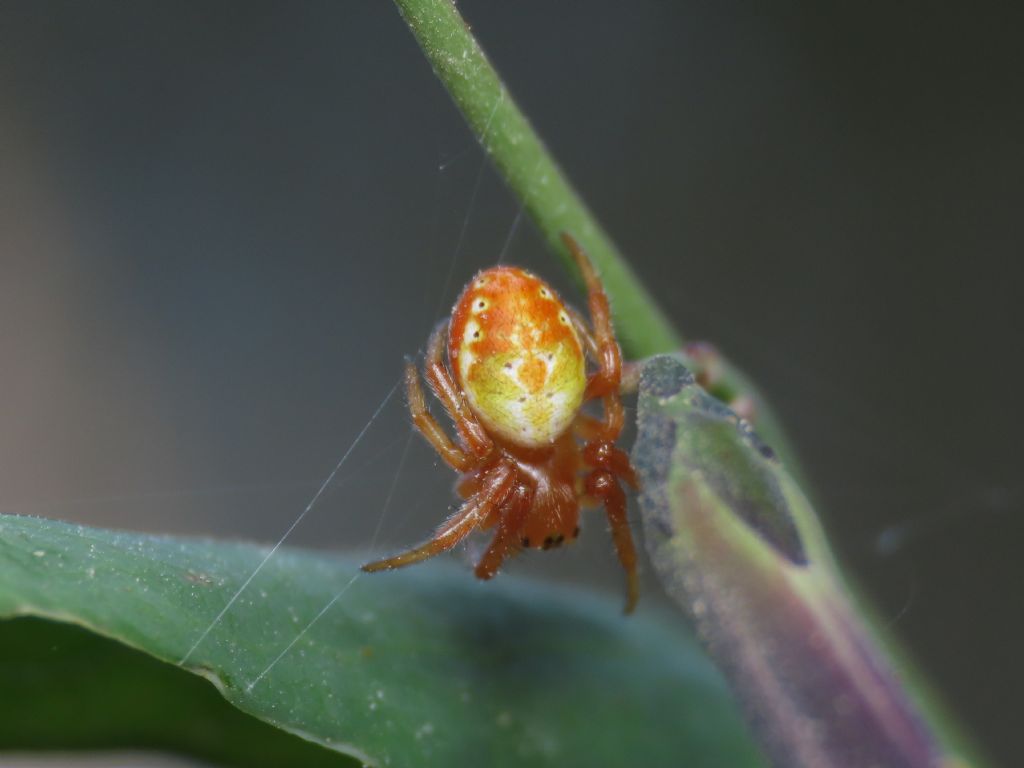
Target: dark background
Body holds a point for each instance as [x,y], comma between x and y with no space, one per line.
[222,225]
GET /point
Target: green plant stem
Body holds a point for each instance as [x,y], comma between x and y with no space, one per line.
[546,194]
[530,171]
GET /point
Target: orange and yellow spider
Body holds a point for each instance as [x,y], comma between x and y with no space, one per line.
[514,384]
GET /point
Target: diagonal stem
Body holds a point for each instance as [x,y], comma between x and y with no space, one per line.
[530,172]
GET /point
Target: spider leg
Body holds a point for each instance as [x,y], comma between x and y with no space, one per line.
[506,540]
[454,456]
[477,445]
[600,451]
[603,485]
[494,493]
[630,382]
[630,379]
[609,357]
[588,427]
[609,462]
[437,374]
[580,324]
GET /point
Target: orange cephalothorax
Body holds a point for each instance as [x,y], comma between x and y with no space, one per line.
[515,353]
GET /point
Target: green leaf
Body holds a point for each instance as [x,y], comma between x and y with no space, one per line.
[419,667]
[67,688]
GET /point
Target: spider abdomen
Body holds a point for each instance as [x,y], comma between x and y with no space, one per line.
[515,353]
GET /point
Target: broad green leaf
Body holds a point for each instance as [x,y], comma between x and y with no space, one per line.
[64,687]
[419,667]
[738,545]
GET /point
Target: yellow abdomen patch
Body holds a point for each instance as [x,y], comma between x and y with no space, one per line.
[515,353]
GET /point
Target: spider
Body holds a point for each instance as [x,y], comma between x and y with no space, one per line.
[514,384]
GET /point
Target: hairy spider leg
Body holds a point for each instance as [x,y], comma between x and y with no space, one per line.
[497,488]
[608,461]
[476,445]
[602,484]
[506,540]
[453,455]
[629,379]
[440,379]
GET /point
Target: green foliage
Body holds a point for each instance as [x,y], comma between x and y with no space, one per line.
[422,667]
[67,688]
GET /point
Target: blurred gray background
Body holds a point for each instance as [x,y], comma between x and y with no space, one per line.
[222,225]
